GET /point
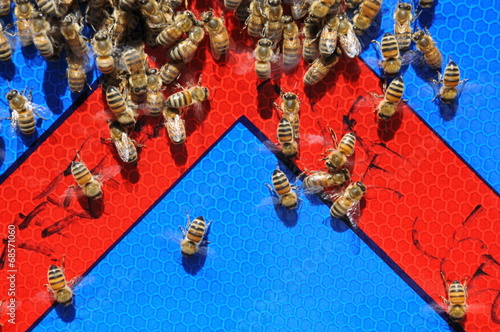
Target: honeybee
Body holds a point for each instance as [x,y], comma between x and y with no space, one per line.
[264,55]
[61,290]
[193,235]
[186,49]
[175,125]
[154,96]
[310,46]
[103,49]
[403,17]
[450,80]
[217,31]
[135,63]
[95,12]
[320,8]
[320,180]
[5,47]
[365,15]
[44,42]
[23,111]
[353,4]
[337,157]
[150,10]
[124,144]
[127,5]
[194,95]
[23,12]
[124,22]
[71,28]
[290,107]
[4,7]
[426,3]
[53,8]
[282,187]
[231,4]
[300,8]
[347,38]
[428,47]
[457,296]
[243,11]
[347,201]
[273,28]
[328,37]
[286,139]
[76,73]
[170,71]
[291,43]
[256,20]
[183,22]
[123,112]
[320,68]
[393,94]
[392,62]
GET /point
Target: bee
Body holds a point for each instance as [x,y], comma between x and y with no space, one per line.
[154,96]
[175,125]
[4,7]
[124,144]
[134,61]
[123,112]
[170,71]
[320,180]
[347,38]
[71,28]
[217,31]
[155,20]
[290,107]
[457,296]
[282,187]
[124,22]
[76,73]
[345,204]
[231,4]
[183,22]
[44,42]
[291,43]
[337,157]
[403,17]
[387,107]
[5,47]
[263,55]
[320,68]
[185,49]
[428,47]
[365,15]
[353,4]
[450,80]
[426,3]
[300,8]
[127,5]
[58,286]
[95,12]
[328,37]
[256,20]
[273,28]
[193,235]
[320,8]
[243,11]
[188,97]
[310,46]
[389,48]
[53,8]
[286,139]
[103,49]
[23,12]
[23,111]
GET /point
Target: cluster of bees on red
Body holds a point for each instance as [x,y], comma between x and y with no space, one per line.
[129,83]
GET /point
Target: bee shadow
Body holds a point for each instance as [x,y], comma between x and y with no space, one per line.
[426,15]
[448,111]
[317,91]
[68,313]
[266,94]
[7,70]
[30,51]
[179,153]
[288,217]
[55,84]
[386,129]
[2,151]
[95,207]
[426,73]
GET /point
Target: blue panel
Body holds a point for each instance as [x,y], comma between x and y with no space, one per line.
[266,269]
[468,31]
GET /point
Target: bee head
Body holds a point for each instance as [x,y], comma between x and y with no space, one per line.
[207,16]
[405,6]
[12,94]
[290,96]
[274,3]
[264,42]
[287,19]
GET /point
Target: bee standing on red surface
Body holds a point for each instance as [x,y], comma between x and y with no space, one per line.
[457,296]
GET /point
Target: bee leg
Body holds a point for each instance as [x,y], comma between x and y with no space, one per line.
[62,262]
[445,300]
[73,281]
[48,287]
[278,107]
[436,97]
[183,231]
[270,188]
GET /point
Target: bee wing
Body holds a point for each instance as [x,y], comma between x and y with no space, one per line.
[350,43]
[122,147]
[330,43]
[41,111]
[14,124]
[353,214]
[108,173]
[410,57]
[198,111]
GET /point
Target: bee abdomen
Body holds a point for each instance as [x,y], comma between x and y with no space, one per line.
[56,278]
[5,50]
[180,99]
[80,173]
[347,143]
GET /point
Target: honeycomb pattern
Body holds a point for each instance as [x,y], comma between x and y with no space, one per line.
[259,274]
[466,32]
[415,235]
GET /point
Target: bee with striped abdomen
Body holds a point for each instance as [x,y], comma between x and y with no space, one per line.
[329,36]
[154,95]
[71,29]
[403,16]
[273,28]
[170,71]
[321,67]
[22,112]
[348,200]
[457,296]
[103,49]
[188,97]
[264,55]
[320,180]
[175,125]
[135,62]
[256,20]
[183,22]
[124,144]
[310,46]
[337,157]
[150,11]
[427,46]
[389,48]
[392,96]
[5,46]
[76,73]
[291,43]
[53,8]
[43,41]
[4,7]
[122,110]
[286,138]
[290,107]
[282,187]
[347,38]
[320,8]
[60,289]
[231,4]
[217,31]
[299,8]
[449,80]
[186,49]
[365,15]
[193,234]
[23,12]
